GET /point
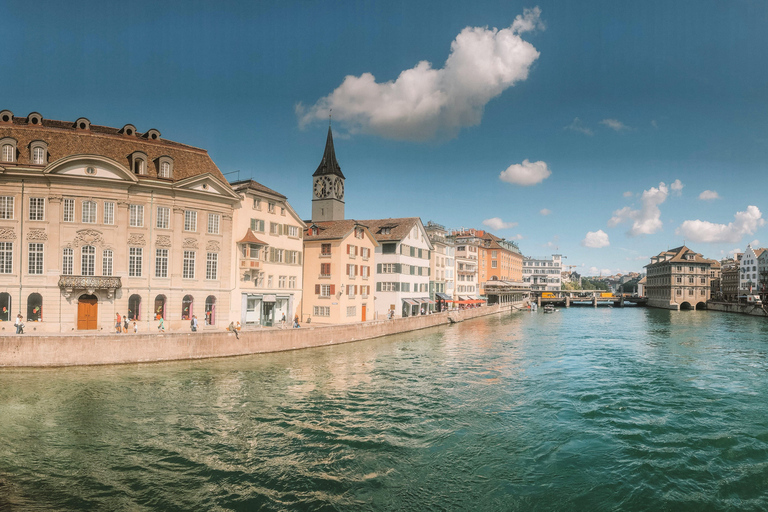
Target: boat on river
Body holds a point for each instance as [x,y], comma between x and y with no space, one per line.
[549,308]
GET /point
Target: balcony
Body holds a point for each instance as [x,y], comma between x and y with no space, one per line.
[89,284]
[246,263]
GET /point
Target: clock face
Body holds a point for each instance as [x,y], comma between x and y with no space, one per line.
[339,188]
[321,187]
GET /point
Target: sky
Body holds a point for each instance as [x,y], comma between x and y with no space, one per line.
[604,131]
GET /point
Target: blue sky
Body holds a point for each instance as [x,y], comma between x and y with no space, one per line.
[585,108]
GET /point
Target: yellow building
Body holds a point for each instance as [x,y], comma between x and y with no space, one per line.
[338,282]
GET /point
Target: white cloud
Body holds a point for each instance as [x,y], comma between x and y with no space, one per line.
[735,251]
[654,123]
[517,237]
[594,271]
[497,223]
[545,211]
[628,194]
[646,220]
[745,223]
[578,126]
[526,173]
[614,124]
[755,243]
[709,195]
[677,187]
[424,102]
[596,239]
[554,243]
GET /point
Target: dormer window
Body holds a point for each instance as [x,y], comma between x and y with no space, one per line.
[8,146]
[35,119]
[38,152]
[83,124]
[139,162]
[128,129]
[6,116]
[165,167]
[152,134]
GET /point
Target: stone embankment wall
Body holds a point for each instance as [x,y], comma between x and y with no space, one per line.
[737,308]
[96,349]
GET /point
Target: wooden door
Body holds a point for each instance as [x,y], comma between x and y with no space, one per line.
[87,313]
[363,312]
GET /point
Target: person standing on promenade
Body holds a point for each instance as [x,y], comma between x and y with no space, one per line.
[193,323]
[135,327]
[282,321]
[118,323]
[296,322]
[161,325]
[125,324]
[19,324]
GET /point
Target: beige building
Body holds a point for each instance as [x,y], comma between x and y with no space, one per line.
[338,280]
[678,279]
[96,221]
[267,263]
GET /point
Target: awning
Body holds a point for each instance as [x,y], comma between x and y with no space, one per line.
[427,300]
[443,296]
[269,298]
[411,302]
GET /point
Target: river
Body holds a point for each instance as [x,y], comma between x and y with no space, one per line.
[584,409]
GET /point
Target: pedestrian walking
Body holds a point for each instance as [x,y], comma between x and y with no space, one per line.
[125,324]
[118,323]
[135,327]
[282,320]
[19,324]
[193,323]
[296,322]
[161,325]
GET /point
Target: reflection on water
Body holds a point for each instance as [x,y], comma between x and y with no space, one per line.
[587,408]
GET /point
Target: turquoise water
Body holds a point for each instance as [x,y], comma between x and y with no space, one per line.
[584,409]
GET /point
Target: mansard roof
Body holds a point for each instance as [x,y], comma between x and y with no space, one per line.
[329,164]
[677,255]
[255,186]
[334,230]
[65,139]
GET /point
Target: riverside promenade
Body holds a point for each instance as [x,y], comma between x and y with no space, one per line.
[52,350]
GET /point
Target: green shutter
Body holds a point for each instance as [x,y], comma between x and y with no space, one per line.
[378,287]
[398,268]
[253,224]
[378,269]
[413,270]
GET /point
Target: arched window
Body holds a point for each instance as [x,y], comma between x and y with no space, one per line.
[210,310]
[35,307]
[5,307]
[186,307]
[88,260]
[9,153]
[159,307]
[134,307]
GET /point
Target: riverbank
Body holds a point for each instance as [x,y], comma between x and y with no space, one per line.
[99,349]
[744,309]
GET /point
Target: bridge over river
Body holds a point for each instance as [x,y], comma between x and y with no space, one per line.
[594,298]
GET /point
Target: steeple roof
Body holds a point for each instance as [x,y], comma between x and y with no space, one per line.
[329,165]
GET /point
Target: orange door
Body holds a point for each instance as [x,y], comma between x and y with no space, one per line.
[87,313]
[363,312]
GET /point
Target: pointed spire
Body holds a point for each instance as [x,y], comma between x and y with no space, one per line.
[329,164]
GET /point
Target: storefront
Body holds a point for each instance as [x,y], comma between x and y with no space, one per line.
[266,310]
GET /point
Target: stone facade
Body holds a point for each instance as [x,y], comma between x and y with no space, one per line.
[678,279]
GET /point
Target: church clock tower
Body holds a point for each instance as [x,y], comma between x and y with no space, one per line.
[328,186]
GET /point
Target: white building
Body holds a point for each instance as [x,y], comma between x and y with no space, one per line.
[467,285]
[267,265]
[750,275]
[441,284]
[402,266]
[544,274]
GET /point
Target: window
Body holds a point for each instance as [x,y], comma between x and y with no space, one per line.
[212,266]
[160,307]
[6,207]
[106,263]
[325,290]
[292,257]
[139,163]
[165,169]
[214,219]
[256,203]
[35,258]
[134,307]
[269,282]
[325,250]
[493,264]
[186,307]
[257,225]
[388,248]
[9,152]
[321,311]
[276,255]
[282,211]
[293,231]
[351,271]
[365,252]
[271,207]
[292,282]
[163,217]
[274,229]
[38,155]
[35,307]
[190,220]
[134,261]
[36,208]
[351,310]
[69,210]
[281,282]
[88,260]
[109,213]
[6,257]
[210,310]
[136,215]
[365,271]
[188,270]
[325,270]
[161,263]
[253,251]
[89,212]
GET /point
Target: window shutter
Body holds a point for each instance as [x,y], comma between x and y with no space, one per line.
[413,270]
[356,248]
[397,287]
[253,224]
[429,271]
[333,289]
[355,289]
[261,226]
[378,287]
[355,269]
[378,269]
[347,248]
[317,289]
